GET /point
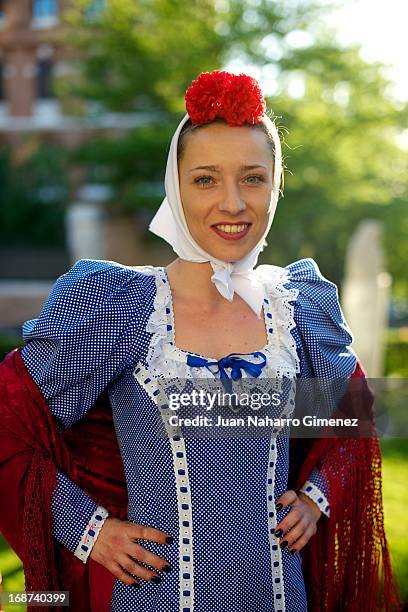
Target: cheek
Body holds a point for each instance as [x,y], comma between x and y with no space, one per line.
[191,207]
[195,205]
[186,200]
[261,202]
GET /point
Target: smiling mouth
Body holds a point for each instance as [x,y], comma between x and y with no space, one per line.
[231,231]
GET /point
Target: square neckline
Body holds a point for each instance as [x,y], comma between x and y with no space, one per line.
[183,353]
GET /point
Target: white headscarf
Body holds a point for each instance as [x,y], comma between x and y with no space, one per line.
[170,224]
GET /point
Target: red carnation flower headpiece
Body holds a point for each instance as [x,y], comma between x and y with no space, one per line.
[236,98]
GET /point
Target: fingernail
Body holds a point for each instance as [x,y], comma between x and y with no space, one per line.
[284,543]
[169,540]
[156,579]
[167,568]
[136,584]
[279,506]
[278,533]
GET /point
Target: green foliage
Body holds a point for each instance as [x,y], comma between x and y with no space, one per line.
[343,162]
[133,164]
[143,55]
[145,44]
[33,193]
[8,343]
[396,355]
[337,156]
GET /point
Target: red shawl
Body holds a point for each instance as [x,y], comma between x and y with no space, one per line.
[346,563]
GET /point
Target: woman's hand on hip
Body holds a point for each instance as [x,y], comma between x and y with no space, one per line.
[299,525]
[116,549]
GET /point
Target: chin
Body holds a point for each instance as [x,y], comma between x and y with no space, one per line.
[231,254]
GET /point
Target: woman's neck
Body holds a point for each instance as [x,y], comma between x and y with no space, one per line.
[191,281]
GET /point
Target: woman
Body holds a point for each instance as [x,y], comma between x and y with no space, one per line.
[211,522]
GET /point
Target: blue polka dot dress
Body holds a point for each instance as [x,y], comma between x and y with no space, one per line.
[110,326]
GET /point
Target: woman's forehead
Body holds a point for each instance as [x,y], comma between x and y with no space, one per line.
[215,145]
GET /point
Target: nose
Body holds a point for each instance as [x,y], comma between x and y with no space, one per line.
[231,200]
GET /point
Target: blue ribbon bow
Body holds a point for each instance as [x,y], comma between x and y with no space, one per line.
[230,361]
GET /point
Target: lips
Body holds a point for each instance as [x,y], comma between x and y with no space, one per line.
[231,231]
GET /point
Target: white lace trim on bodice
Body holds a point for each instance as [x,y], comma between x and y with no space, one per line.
[165,360]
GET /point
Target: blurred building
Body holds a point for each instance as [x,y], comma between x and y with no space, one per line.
[32,53]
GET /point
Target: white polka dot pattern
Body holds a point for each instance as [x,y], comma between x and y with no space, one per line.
[92,334]
[72,510]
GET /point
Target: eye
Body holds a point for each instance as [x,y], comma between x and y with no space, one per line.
[206,180]
[260,179]
[199,180]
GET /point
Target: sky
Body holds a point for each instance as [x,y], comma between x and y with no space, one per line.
[381,28]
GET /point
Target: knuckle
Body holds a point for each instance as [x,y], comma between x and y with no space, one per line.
[295,537]
[124,577]
[112,568]
[143,572]
[287,497]
[116,542]
[156,562]
[138,553]
[296,512]
[116,537]
[304,522]
[135,529]
[129,566]
[135,569]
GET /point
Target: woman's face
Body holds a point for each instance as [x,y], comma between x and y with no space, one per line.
[225,176]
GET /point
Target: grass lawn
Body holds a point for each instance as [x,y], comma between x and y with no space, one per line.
[395,495]
[395,492]
[11,569]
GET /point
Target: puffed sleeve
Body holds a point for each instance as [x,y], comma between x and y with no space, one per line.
[83,338]
[323,339]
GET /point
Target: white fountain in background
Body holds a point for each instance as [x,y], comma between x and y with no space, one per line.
[366,296]
[85,223]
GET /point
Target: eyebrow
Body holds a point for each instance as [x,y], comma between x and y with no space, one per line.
[218,169]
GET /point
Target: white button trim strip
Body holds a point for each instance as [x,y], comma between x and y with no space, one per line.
[186,568]
[312,491]
[91,533]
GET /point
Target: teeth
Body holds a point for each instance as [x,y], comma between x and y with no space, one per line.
[232,229]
